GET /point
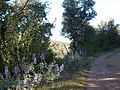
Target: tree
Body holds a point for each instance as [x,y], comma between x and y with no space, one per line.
[3,10]
[24,30]
[76,14]
[19,26]
[89,38]
[107,36]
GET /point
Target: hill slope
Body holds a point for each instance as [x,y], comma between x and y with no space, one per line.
[58,46]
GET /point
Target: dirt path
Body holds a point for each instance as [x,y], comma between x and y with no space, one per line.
[104,73]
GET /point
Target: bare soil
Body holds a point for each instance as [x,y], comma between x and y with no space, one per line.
[104,73]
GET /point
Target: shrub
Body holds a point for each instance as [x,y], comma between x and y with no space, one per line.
[74,63]
[29,75]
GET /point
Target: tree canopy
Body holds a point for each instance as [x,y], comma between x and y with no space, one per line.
[77,13]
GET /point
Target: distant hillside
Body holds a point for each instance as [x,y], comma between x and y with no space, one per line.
[58,46]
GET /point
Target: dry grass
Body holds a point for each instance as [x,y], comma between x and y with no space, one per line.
[71,81]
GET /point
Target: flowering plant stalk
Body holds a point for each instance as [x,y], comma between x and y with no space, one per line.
[31,74]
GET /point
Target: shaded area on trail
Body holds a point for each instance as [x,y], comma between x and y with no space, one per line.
[104,73]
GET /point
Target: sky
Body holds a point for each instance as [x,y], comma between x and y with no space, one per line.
[105,9]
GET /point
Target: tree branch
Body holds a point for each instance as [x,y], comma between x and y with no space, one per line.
[23,7]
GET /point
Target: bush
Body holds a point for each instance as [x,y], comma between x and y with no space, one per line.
[30,75]
[74,63]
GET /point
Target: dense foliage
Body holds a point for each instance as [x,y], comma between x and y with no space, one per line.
[76,15]
[24,45]
[85,39]
[107,36]
[28,57]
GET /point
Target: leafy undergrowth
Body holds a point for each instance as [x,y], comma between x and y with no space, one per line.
[71,81]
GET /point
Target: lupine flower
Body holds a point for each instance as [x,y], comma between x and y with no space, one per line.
[37,78]
[6,71]
[58,53]
[16,70]
[34,58]
[42,56]
[56,68]
[22,83]
[49,68]
[53,59]
[23,59]
[26,68]
[35,61]
[61,67]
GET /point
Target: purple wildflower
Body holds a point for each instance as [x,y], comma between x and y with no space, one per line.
[42,56]
[49,68]
[26,68]
[6,71]
[16,70]
[35,61]
[37,78]
[53,59]
[34,58]
[23,59]
[61,67]
[56,68]
[22,83]
[58,53]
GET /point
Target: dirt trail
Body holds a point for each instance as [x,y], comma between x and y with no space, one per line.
[104,73]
